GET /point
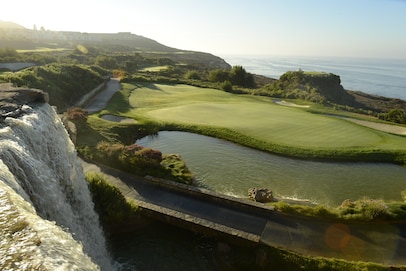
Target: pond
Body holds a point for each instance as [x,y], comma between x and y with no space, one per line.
[232,169]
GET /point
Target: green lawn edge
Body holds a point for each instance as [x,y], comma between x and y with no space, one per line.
[319,154]
[119,105]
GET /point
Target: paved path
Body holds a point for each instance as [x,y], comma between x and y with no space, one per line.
[381,243]
[100,101]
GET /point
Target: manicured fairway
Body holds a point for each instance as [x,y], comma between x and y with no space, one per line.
[256,117]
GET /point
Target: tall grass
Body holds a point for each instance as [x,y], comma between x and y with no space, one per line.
[365,209]
[110,203]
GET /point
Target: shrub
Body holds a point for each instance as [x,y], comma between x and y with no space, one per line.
[194,75]
[218,75]
[77,115]
[109,202]
[66,84]
[396,115]
[110,150]
[143,161]
[314,211]
[149,153]
[118,73]
[397,210]
[364,209]
[227,86]
[176,169]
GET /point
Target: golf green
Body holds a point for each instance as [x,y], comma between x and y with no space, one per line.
[256,117]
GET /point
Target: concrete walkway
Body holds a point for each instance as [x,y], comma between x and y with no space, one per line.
[383,243]
[100,101]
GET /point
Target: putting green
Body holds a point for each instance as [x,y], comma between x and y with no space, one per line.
[256,117]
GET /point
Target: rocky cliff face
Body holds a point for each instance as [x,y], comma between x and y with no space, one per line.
[329,86]
[12,100]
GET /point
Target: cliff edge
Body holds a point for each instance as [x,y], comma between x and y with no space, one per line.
[12,100]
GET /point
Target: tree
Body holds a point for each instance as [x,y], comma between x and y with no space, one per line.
[396,115]
[237,75]
[218,75]
[240,77]
[194,75]
[106,62]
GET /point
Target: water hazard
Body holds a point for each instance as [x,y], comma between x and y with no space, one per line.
[232,169]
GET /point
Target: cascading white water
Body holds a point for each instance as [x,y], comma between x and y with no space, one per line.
[47,218]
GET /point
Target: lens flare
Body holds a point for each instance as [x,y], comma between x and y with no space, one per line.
[82,49]
[338,236]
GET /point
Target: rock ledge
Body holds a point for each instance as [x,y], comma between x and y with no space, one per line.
[12,100]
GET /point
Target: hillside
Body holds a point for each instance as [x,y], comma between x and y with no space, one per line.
[65,84]
[132,52]
[10,25]
[17,37]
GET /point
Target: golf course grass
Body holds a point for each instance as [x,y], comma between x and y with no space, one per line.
[259,122]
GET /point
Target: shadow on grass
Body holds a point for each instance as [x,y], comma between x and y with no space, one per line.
[118,103]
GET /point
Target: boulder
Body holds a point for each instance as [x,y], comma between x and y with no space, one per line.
[260,194]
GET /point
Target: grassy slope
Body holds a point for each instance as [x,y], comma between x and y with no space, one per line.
[257,118]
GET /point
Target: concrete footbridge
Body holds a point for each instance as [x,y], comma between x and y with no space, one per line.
[242,220]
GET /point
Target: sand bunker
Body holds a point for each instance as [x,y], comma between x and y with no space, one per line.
[285,103]
[388,128]
[118,119]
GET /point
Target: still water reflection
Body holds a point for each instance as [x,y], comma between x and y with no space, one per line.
[231,169]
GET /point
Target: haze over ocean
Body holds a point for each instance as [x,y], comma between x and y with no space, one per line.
[384,77]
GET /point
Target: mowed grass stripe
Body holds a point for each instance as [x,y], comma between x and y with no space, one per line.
[255,117]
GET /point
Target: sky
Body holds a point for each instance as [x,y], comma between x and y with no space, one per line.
[343,28]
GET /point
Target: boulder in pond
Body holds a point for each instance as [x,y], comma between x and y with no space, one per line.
[260,194]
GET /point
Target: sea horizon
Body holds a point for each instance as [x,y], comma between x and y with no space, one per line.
[378,76]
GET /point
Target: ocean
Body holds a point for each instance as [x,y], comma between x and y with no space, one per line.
[384,77]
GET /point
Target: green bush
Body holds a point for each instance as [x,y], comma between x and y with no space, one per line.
[177,169]
[396,115]
[109,202]
[66,84]
[227,86]
[313,211]
[143,161]
[364,209]
[360,210]
[194,75]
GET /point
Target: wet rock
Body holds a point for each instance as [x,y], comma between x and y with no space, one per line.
[13,100]
[260,194]
[70,128]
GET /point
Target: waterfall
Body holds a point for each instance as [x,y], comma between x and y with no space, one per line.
[47,218]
